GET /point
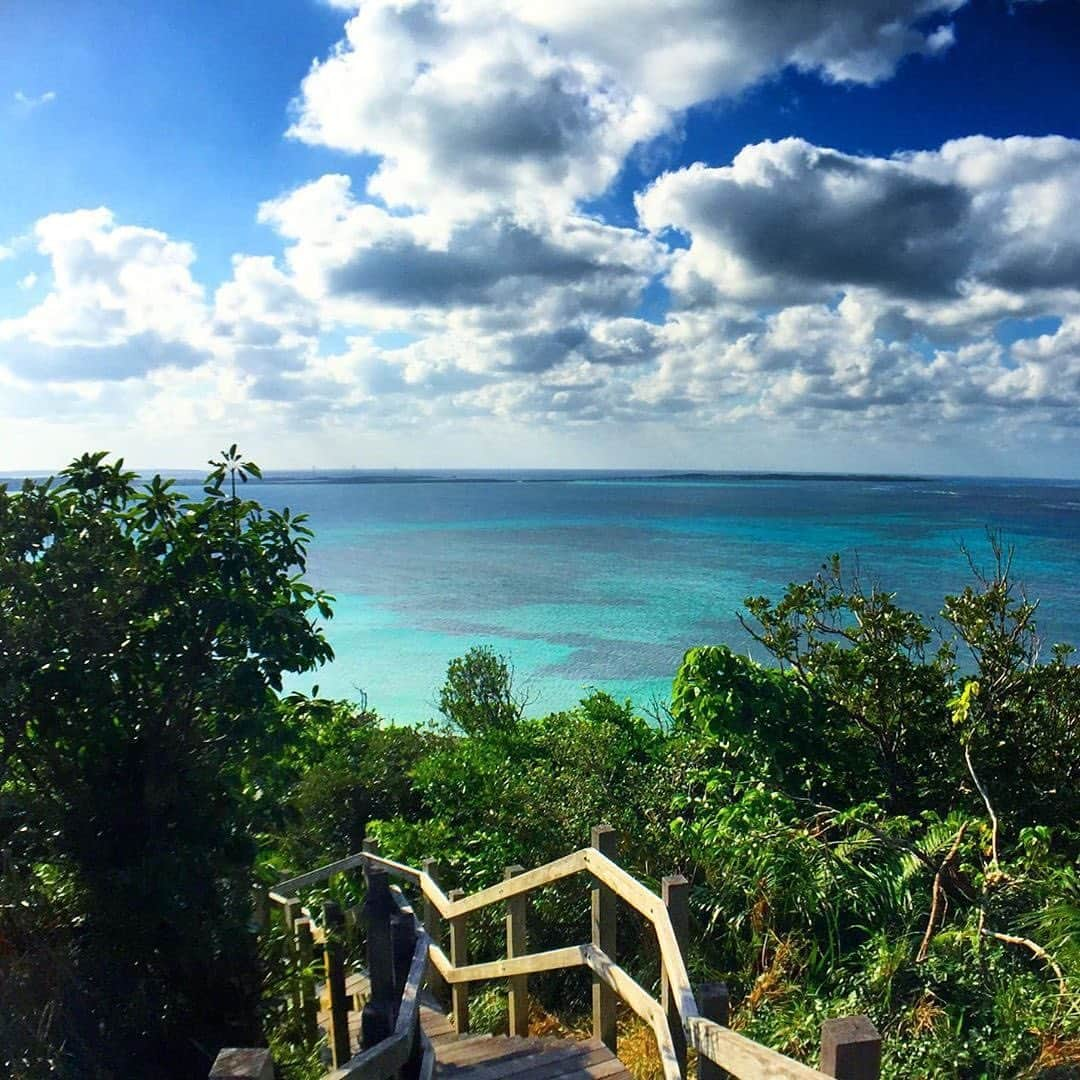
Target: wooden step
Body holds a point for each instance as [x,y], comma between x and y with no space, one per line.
[487,1057]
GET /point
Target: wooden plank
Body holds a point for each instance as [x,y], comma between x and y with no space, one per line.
[716,1006]
[743,1057]
[534,964]
[547,1053]
[334,958]
[523,883]
[605,841]
[283,890]
[305,957]
[459,958]
[675,892]
[378,1017]
[582,1056]
[652,907]
[850,1048]
[517,946]
[646,1006]
[440,990]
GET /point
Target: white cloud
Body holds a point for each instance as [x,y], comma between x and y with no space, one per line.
[820,292]
[27,102]
[122,302]
[686,51]
[28,282]
[949,240]
[536,103]
[504,292]
[468,107]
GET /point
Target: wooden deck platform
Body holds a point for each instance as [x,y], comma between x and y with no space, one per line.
[488,1057]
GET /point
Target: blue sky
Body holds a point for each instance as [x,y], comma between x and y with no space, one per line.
[742,235]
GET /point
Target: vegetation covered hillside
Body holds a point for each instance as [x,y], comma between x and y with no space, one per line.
[885,818]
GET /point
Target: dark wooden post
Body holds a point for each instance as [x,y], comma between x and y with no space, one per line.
[459,957]
[260,907]
[715,1005]
[305,957]
[850,1049]
[676,894]
[439,987]
[334,958]
[606,841]
[517,945]
[242,1064]
[403,934]
[403,942]
[377,1018]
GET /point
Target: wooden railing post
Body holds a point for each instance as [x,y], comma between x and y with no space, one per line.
[334,958]
[305,957]
[715,1005]
[403,944]
[606,841]
[377,1018]
[242,1064]
[850,1049]
[291,912]
[459,957]
[438,986]
[676,895]
[403,938]
[517,945]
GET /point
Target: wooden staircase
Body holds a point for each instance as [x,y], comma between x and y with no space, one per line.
[487,1057]
[391,1027]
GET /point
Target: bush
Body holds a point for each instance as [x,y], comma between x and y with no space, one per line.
[142,636]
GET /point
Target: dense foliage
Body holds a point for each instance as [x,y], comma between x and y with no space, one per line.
[885,821]
[143,635]
[883,818]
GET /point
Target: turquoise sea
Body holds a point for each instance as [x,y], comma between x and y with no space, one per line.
[605,579]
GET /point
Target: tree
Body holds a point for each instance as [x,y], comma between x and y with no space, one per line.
[142,636]
[479,694]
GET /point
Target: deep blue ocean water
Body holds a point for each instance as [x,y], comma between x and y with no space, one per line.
[605,579]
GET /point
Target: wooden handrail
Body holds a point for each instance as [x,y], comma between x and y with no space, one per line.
[385,1059]
[738,1055]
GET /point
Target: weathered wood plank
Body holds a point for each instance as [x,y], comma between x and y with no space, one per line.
[604,841]
[716,1006]
[646,1006]
[516,886]
[850,1048]
[743,1057]
[532,964]
[459,958]
[284,890]
[675,892]
[517,946]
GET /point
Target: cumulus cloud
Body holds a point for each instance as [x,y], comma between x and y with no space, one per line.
[467,106]
[823,289]
[686,51]
[123,301]
[950,240]
[787,218]
[522,102]
[506,291]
